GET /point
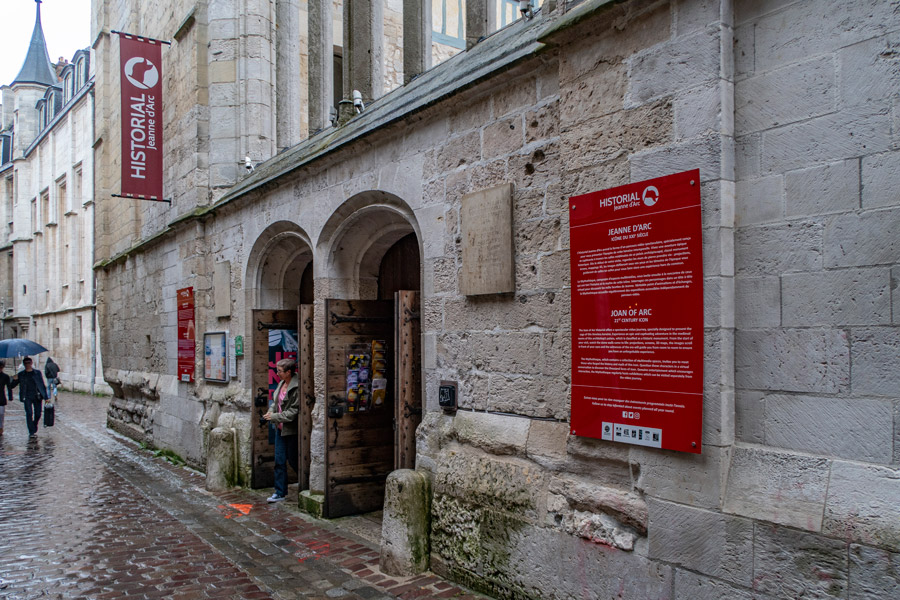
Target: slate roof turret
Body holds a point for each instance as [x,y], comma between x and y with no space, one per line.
[37,68]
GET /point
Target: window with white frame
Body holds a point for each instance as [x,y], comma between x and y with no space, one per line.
[448,19]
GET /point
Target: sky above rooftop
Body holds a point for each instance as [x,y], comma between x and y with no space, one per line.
[67,28]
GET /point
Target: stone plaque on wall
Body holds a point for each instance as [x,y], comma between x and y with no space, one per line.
[222,288]
[486,222]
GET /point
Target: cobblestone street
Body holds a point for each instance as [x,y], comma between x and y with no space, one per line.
[86,514]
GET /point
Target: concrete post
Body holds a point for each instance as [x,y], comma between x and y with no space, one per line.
[287,73]
[480,20]
[220,460]
[364,48]
[416,38]
[321,63]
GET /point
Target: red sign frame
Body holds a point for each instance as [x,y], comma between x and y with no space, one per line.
[187,333]
[142,102]
[637,313]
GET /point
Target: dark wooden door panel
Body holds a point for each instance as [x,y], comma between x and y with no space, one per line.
[408,407]
[307,392]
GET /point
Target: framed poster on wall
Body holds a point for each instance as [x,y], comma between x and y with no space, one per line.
[215,356]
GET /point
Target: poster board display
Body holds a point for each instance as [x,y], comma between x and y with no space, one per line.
[215,356]
[637,313]
[186,335]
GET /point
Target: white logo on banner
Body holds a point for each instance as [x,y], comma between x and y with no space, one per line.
[651,195]
[142,73]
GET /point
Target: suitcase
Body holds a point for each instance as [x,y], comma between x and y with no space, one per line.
[49,415]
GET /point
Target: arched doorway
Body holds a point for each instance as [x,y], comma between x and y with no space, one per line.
[280,297]
[373,350]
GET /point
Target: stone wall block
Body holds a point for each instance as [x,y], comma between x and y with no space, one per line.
[854,428]
[620,133]
[869,70]
[556,353]
[544,397]
[553,270]
[862,239]
[862,504]
[875,366]
[747,156]
[676,65]
[699,112]
[895,295]
[845,297]
[542,123]
[690,16]
[458,151]
[513,97]
[693,479]
[698,587]
[792,564]
[777,487]
[846,134]
[881,180]
[595,94]
[799,360]
[703,153]
[777,249]
[821,190]
[776,98]
[708,542]
[495,434]
[546,444]
[819,31]
[759,200]
[750,417]
[874,573]
[503,137]
[757,302]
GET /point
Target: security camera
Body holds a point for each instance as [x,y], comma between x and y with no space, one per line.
[358,102]
[248,164]
[525,9]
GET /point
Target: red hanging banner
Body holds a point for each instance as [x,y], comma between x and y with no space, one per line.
[187,333]
[142,98]
[637,313]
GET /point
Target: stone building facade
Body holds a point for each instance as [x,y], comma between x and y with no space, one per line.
[788,109]
[48,205]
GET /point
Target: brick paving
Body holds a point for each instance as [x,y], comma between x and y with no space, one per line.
[87,514]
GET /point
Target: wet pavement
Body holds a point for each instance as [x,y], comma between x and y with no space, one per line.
[85,513]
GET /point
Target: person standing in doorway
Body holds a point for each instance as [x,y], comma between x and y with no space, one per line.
[284,415]
[5,393]
[32,392]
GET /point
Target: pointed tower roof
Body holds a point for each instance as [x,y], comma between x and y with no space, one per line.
[37,68]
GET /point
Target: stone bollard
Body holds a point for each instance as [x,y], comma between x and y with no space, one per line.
[220,460]
[405,541]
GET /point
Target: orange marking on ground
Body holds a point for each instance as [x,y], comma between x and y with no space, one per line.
[244,509]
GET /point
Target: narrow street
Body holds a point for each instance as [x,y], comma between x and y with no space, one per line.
[87,514]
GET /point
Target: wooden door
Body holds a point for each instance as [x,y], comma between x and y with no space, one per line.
[408,388]
[306,391]
[359,445]
[262,451]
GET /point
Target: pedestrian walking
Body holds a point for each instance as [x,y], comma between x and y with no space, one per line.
[286,411]
[32,393]
[51,371]
[5,393]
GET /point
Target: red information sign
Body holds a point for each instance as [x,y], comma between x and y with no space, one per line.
[186,334]
[142,96]
[637,313]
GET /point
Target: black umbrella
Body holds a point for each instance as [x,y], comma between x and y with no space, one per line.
[18,347]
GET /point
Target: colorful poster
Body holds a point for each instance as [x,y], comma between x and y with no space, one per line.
[282,344]
[142,101]
[186,334]
[637,313]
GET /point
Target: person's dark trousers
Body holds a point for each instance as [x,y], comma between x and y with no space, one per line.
[285,452]
[33,415]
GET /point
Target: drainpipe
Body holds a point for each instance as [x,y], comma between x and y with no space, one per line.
[93,249]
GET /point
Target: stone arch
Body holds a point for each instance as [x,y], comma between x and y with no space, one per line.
[276,266]
[356,237]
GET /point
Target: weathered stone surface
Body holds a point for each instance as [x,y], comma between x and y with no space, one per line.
[679,64]
[862,504]
[705,153]
[792,564]
[693,479]
[546,442]
[776,98]
[881,180]
[701,112]
[875,368]
[221,471]
[855,428]
[845,297]
[698,587]
[587,496]
[776,249]
[595,94]
[497,434]
[799,360]
[503,137]
[757,302]
[704,541]
[861,239]
[821,190]
[777,487]
[874,573]
[405,540]
[750,417]
[759,201]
